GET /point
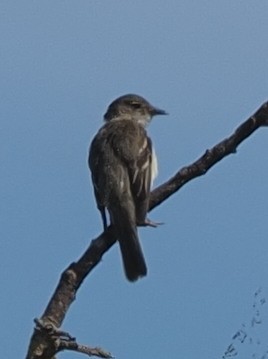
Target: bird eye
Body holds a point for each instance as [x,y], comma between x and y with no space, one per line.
[136,105]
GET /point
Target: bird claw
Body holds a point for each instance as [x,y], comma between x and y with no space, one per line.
[149,223]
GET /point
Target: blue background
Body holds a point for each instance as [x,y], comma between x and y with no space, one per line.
[205,62]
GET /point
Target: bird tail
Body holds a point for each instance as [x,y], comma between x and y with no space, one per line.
[123,219]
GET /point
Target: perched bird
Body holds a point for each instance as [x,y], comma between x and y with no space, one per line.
[123,166]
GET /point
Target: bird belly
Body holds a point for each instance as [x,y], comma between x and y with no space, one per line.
[154,167]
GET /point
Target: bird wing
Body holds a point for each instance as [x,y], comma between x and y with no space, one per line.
[122,154]
[133,148]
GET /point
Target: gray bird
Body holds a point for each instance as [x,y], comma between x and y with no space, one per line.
[123,166]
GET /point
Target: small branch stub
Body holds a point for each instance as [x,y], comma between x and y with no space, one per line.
[57,340]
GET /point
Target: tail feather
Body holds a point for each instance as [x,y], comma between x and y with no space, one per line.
[125,226]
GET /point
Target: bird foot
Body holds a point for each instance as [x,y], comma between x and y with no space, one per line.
[149,223]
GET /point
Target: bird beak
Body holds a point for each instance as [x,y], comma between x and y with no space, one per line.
[157,111]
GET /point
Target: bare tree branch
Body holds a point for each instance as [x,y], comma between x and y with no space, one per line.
[211,157]
[49,340]
[44,344]
[84,349]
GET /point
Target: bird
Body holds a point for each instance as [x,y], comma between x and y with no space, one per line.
[123,166]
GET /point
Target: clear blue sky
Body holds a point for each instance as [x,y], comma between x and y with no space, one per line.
[206,63]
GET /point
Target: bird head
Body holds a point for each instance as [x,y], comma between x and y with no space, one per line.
[132,107]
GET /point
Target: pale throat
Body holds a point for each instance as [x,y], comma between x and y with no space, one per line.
[144,120]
